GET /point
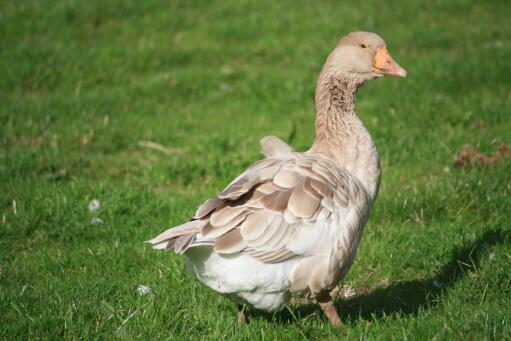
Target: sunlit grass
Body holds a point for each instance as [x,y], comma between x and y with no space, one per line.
[84,82]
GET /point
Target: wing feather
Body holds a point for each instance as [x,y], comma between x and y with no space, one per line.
[302,204]
[280,208]
[231,242]
[276,201]
[211,231]
[207,207]
[225,215]
[287,179]
[271,229]
[255,225]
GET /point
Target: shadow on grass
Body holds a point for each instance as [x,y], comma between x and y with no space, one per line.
[407,297]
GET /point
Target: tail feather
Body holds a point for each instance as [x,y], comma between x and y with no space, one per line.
[272,146]
[183,242]
[179,238]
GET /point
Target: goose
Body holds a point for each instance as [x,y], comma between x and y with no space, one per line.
[292,221]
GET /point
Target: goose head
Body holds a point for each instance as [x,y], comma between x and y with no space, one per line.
[363,56]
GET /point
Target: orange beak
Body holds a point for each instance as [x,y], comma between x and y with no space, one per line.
[385,65]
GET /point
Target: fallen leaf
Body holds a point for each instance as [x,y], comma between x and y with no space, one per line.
[469,155]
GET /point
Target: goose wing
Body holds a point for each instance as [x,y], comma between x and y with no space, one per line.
[292,205]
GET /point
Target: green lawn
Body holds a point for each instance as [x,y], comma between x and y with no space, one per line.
[82,83]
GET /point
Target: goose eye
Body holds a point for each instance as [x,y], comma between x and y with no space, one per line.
[363,46]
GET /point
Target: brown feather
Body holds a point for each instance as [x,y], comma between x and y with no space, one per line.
[264,163]
[277,201]
[230,242]
[321,187]
[217,231]
[288,231]
[307,186]
[281,257]
[255,224]
[270,230]
[182,242]
[275,240]
[223,216]
[192,226]
[302,204]
[340,199]
[207,207]
[268,172]
[323,214]
[207,228]
[286,179]
[270,257]
[170,244]
[240,186]
[267,188]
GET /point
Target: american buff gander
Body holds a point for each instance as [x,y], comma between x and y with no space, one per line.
[293,221]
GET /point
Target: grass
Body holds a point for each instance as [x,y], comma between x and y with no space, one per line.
[82,82]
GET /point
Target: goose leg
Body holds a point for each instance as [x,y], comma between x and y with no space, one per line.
[242,319]
[325,302]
